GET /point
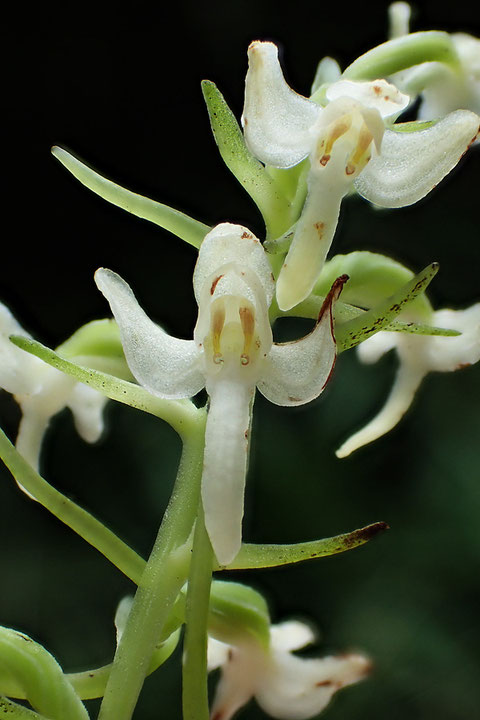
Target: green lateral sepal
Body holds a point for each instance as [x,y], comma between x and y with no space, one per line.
[353,332]
[190,230]
[250,173]
[264,556]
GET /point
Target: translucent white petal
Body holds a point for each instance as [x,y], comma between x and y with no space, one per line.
[295,373]
[225,465]
[276,119]
[296,688]
[31,432]
[401,396]
[411,164]
[164,365]
[291,635]
[378,94]
[226,244]
[87,407]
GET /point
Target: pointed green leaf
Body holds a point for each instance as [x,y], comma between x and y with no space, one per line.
[262,556]
[176,412]
[404,52]
[245,167]
[354,331]
[176,222]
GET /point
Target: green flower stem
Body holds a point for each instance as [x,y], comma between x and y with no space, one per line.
[176,222]
[78,519]
[164,575]
[12,711]
[404,52]
[195,692]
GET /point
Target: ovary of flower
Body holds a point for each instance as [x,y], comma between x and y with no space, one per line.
[285,686]
[232,353]
[42,392]
[418,355]
[348,141]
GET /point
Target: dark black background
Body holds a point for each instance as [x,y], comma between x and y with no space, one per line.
[121,88]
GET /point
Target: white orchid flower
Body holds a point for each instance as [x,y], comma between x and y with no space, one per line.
[443,89]
[348,142]
[231,353]
[418,355]
[284,685]
[42,392]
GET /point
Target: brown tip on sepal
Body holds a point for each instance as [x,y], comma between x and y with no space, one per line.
[333,295]
[363,535]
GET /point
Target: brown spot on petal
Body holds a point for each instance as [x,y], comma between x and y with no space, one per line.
[319,227]
[462,366]
[324,160]
[294,399]
[324,683]
[214,284]
[246,235]
[377,89]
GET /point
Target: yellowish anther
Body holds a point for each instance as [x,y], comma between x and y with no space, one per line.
[248,326]
[335,131]
[218,321]
[359,157]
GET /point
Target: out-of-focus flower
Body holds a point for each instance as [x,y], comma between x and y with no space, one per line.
[418,355]
[350,141]
[285,686]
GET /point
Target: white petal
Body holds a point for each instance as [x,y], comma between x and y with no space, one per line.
[297,688]
[412,163]
[31,432]
[291,635]
[87,407]
[313,236]
[217,653]
[241,673]
[164,365]
[378,94]
[401,396]
[226,244]
[452,353]
[296,373]
[17,368]
[225,465]
[276,119]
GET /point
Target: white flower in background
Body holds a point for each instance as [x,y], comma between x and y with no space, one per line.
[284,685]
[349,142]
[442,88]
[418,355]
[42,392]
[232,352]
